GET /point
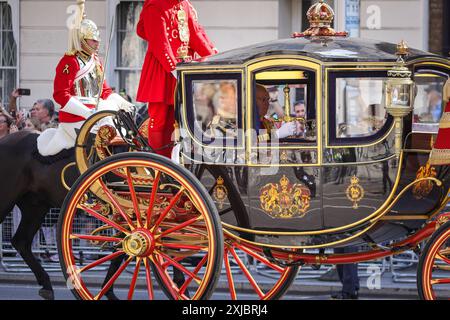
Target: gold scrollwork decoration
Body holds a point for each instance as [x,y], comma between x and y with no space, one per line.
[355,192]
[285,200]
[423,188]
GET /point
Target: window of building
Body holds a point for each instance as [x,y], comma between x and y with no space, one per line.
[8,53]
[131,48]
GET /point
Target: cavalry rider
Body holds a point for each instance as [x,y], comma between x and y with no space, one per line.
[78,82]
[174,35]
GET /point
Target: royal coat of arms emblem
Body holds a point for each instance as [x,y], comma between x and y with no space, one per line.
[285,200]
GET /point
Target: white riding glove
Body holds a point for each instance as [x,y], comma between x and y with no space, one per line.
[287,129]
[115,103]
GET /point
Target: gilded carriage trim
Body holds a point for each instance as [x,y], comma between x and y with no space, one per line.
[285,200]
[220,192]
[81,153]
[445,121]
[441,220]
[325,245]
[423,188]
[326,110]
[252,68]
[63,175]
[373,218]
[355,192]
[434,61]
[103,139]
[184,103]
[439,157]
[399,218]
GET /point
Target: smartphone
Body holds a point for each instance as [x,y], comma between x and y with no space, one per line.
[24,92]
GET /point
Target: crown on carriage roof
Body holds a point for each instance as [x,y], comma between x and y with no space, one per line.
[320,16]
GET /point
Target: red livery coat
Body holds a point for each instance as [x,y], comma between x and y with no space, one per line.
[441,150]
[158,25]
[64,89]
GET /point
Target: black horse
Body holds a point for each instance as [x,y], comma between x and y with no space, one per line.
[34,185]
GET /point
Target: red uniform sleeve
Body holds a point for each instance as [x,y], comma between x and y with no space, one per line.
[65,75]
[199,42]
[106,91]
[152,27]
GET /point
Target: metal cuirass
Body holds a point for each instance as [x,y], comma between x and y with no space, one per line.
[88,84]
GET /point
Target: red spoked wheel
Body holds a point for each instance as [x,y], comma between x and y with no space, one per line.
[244,263]
[433,272]
[110,223]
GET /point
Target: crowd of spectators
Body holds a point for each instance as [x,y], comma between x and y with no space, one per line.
[40,117]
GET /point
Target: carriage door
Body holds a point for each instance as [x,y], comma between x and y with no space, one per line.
[282,146]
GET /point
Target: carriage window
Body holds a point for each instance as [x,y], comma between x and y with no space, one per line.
[428,106]
[360,108]
[216,107]
[284,101]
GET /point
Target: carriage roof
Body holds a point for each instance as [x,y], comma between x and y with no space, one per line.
[330,49]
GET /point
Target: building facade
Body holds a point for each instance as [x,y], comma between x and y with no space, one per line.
[34,32]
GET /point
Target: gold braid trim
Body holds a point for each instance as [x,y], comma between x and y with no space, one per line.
[439,157]
[445,121]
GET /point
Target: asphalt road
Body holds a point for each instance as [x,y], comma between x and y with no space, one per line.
[30,292]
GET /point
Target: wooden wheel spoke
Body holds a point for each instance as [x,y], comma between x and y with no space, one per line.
[183,246]
[134,198]
[229,275]
[196,270]
[113,279]
[117,205]
[105,220]
[260,258]
[134,279]
[172,203]
[179,266]
[100,261]
[94,238]
[165,279]
[152,198]
[440,281]
[441,257]
[181,226]
[148,279]
[247,274]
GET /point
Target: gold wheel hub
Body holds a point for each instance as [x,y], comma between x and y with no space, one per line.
[139,244]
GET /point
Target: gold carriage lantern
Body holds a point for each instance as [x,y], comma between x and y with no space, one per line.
[399,94]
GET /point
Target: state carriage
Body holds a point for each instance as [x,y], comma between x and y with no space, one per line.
[357,173]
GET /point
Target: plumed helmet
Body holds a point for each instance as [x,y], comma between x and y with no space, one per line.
[89,30]
[82,29]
